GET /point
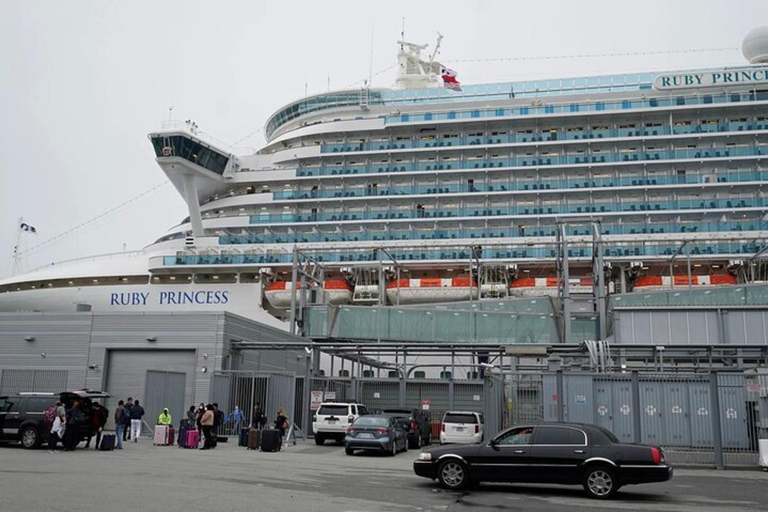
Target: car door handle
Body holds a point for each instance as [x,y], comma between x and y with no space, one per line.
[579,451]
[519,451]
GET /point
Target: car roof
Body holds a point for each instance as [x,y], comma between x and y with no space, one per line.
[462,412]
[87,393]
[339,403]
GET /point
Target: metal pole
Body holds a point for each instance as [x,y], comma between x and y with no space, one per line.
[306,406]
[717,434]
[560,398]
[566,292]
[294,277]
[450,381]
[599,281]
[635,387]
[689,271]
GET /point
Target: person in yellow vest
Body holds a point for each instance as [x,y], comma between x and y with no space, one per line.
[164,418]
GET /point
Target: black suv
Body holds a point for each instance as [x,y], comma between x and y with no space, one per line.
[418,420]
[22,418]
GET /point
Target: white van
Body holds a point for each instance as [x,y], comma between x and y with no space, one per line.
[464,427]
[332,420]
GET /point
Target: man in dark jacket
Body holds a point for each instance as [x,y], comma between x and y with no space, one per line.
[127,419]
[137,412]
[218,421]
[99,417]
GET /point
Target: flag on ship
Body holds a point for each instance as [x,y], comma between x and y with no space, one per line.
[449,79]
[26,227]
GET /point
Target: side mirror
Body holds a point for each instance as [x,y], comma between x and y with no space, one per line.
[493,443]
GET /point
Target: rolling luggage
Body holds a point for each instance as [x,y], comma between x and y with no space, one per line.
[171,435]
[192,439]
[161,435]
[183,436]
[270,440]
[243,439]
[107,442]
[254,439]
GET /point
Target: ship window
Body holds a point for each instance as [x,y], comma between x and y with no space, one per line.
[451,115]
[428,116]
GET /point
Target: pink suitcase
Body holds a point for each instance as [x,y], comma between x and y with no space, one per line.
[193,439]
[161,435]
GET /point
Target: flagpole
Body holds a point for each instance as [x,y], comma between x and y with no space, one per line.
[15,266]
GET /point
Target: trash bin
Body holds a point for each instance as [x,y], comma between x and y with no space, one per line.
[762,445]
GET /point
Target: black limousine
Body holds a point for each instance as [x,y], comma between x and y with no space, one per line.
[558,453]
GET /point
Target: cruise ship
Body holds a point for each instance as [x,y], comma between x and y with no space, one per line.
[435,191]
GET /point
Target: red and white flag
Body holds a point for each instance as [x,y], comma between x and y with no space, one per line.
[449,79]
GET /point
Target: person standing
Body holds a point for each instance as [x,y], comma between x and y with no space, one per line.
[206,422]
[236,418]
[218,421]
[191,419]
[119,424]
[99,418]
[259,420]
[137,412]
[281,422]
[127,418]
[75,419]
[56,434]
[199,415]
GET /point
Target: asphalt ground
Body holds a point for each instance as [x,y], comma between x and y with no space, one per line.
[306,477]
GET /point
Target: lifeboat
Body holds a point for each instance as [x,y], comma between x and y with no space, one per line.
[366,294]
[547,286]
[336,291]
[658,283]
[429,289]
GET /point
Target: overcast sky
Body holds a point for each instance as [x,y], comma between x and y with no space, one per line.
[83,82]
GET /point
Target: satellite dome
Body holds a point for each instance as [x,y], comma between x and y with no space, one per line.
[755,46]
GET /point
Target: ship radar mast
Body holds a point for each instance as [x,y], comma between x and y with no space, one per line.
[413,71]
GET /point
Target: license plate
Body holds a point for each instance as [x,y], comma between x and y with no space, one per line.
[460,429]
[331,421]
[365,436]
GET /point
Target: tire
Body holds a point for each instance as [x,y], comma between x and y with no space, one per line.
[319,440]
[600,482]
[452,474]
[405,446]
[417,444]
[349,451]
[393,451]
[30,438]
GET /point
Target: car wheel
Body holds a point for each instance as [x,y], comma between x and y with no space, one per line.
[319,439]
[452,474]
[417,442]
[349,451]
[405,445]
[30,438]
[600,482]
[393,451]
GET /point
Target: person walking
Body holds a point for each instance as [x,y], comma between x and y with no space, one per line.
[281,423]
[119,424]
[127,419]
[236,419]
[164,418]
[137,412]
[206,422]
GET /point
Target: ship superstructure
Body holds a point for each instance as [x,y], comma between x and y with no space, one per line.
[427,193]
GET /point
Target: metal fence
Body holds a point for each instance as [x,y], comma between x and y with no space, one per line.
[704,419]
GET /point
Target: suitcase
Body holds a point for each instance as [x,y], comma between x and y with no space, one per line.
[243,439]
[193,439]
[254,439]
[270,440]
[161,435]
[171,435]
[183,436]
[222,439]
[107,442]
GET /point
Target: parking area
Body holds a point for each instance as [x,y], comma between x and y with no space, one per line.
[316,478]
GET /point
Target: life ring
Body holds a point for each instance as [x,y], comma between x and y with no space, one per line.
[167,151]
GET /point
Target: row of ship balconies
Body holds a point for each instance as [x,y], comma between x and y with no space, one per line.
[427,211]
[543,159]
[521,183]
[645,250]
[522,231]
[683,127]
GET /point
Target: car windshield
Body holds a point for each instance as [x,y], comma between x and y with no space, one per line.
[453,417]
[371,421]
[333,410]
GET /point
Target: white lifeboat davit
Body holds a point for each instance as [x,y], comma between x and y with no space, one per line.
[336,291]
[658,283]
[547,286]
[417,291]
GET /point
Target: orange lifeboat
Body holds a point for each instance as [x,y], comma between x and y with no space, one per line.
[336,291]
[431,289]
[547,286]
[657,283]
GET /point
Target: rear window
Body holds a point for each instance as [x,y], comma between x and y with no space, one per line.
[39,404]
[372,421]
[333,410]
[459,418]
[559,435]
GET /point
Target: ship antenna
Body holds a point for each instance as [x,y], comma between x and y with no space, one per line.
[437,47]
[170,111]
[402,36]
[370,63]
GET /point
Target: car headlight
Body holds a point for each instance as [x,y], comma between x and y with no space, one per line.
[425,456]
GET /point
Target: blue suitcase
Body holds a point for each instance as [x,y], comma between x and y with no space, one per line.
[107,442]
[243,441]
